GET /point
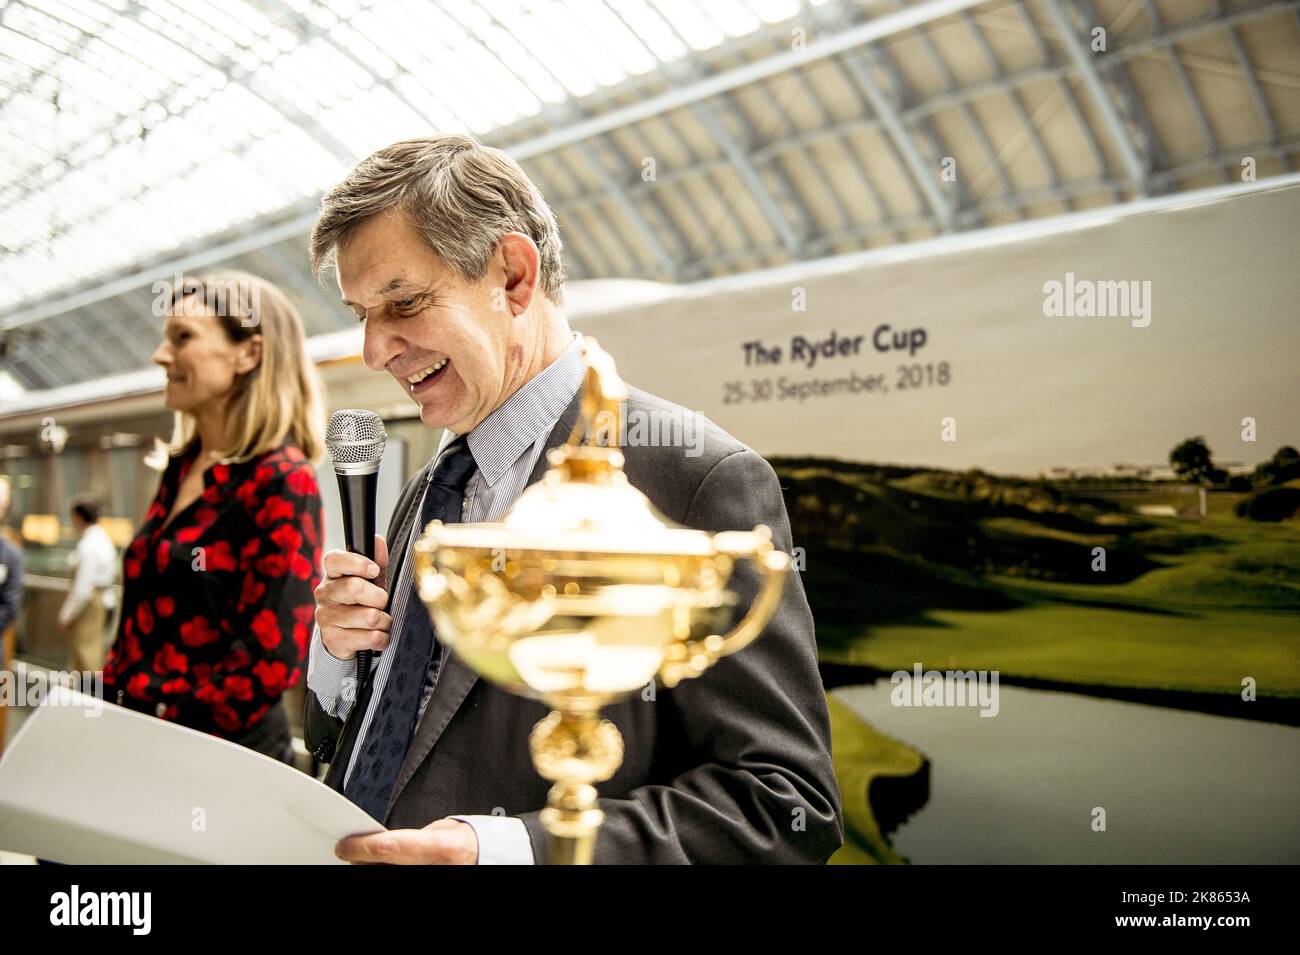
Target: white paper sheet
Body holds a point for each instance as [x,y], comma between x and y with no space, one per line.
[122,787]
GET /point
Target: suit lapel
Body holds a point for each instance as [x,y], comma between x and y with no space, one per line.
[456,679]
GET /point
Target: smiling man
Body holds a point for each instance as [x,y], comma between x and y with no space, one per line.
[450,256]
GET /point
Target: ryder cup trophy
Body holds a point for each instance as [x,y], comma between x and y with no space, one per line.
[582,595]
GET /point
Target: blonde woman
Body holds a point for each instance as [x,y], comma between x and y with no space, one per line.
[218,584]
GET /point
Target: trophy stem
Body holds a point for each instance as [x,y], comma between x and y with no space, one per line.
[574,748]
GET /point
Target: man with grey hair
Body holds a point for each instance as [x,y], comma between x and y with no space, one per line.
[450,257]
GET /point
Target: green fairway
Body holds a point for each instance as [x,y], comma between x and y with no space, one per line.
[969,571]
[863,755]
[1208,652]
[962,572]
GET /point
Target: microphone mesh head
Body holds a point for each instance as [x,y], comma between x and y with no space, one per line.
[354,436]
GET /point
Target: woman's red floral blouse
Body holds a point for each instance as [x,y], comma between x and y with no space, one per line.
[217,606]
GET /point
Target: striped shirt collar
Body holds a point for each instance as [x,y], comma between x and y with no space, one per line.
[526,416]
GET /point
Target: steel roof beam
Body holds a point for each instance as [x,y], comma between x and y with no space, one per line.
[705,112]
[1194,102]
[705,227]
[1071,101]
[966,205]
[782,115]
[1256,94]
[1013,97]
[839,64]
[1135,166]
[923,171]
[593,150]
[234,73]
[713,85]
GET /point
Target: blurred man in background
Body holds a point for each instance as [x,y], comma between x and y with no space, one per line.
[11,593]
[11,570]
[84,610]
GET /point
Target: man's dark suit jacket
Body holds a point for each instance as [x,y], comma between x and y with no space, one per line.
[733,766]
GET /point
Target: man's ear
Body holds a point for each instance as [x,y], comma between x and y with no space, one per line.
[520,265]
[250,355]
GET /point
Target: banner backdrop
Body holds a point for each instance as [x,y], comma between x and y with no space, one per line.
[1105,342]
[1030,629]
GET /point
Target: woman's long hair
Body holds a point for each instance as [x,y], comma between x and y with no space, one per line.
[279,401]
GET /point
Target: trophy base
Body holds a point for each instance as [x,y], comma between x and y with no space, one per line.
[574,748]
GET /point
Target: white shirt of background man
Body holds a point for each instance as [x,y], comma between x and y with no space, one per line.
[95,563]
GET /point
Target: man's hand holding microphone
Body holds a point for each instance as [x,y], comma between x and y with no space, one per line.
[351,612]
[351,602]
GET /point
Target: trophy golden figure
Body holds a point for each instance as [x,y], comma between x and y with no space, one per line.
[582,595]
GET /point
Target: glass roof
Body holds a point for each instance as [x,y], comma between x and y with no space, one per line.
[128,128]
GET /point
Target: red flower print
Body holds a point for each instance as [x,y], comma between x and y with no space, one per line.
[301,567]
[225,717]
[238,660]
[267,629]
[203,519]
[233,638]
[301,481]
[169,660]
[275,509]
[207,693]
[256,716]
[132,647]
[286,537]
[272,674]
[252,591]
[247,495]
[219,556]
[273,565]
[238,687]
[197,632]
[300,637]
[137,685]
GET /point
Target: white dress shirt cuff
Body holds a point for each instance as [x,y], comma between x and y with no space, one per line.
[502,840]
[331,679]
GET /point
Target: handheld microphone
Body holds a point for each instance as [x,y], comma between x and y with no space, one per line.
[355,440]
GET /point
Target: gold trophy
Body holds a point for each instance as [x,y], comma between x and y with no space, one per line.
[582,595]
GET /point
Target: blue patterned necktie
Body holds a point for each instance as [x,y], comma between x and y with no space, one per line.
[375,771]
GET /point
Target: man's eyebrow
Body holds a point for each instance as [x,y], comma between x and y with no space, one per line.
[391,286]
